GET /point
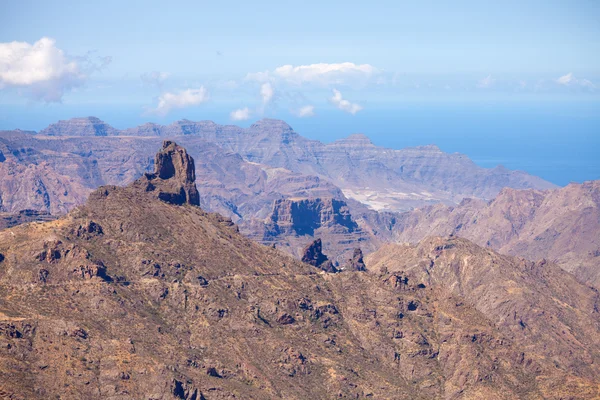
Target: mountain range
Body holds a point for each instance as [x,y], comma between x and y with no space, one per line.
[139,293]
[83,153]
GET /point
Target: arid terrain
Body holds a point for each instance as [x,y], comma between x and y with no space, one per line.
[139,293]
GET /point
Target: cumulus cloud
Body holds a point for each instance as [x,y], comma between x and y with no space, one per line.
[305,111]
[241,114]
[570,80]
[486,82]
[565,79]
[182,99]
[154,78]
[266,92]
[44,69]
[343,104]
[322,73]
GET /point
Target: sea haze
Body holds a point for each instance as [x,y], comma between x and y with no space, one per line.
[558,141]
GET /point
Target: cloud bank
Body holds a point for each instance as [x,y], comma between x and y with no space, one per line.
[43,69]
[321,74]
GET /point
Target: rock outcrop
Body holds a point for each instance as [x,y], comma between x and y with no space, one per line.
[174,177]
[356,263]
[313,255]
[293,221]
[304,216]
[8,220]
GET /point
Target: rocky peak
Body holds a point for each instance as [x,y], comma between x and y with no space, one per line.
[87,126]
[174,177]
[313,255]
[356,263]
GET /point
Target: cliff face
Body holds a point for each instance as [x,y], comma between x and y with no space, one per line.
[304,216]
[130,297]
[293,223]
[8,220]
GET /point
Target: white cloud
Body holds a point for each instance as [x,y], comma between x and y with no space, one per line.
[184,98]
[266,92]
[565,79]
[569,79]
[305,111]
[44,69]
[343,104]
[241,114]
[486,82]
[322,73]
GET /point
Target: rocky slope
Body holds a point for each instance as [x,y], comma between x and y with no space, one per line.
[536,306]
[561,225]
[139,295]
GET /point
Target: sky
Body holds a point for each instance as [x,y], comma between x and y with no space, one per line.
[344,64]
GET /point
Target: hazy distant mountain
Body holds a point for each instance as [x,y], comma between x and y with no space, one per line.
[88,152]
[140,293]
[561,225]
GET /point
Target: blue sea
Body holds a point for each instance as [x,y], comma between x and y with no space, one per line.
[558,141]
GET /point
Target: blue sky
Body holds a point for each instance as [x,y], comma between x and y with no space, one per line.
[498,80]
[137,53]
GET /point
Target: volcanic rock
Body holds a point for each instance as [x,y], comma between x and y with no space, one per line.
[304,216]
[462,322]
[314,256]
[356,263]
[174,177]
[8,220]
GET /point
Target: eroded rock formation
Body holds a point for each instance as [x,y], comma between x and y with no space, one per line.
[313,255]
[174,177]
[356,263]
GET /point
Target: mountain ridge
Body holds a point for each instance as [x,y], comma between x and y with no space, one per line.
[132,296]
